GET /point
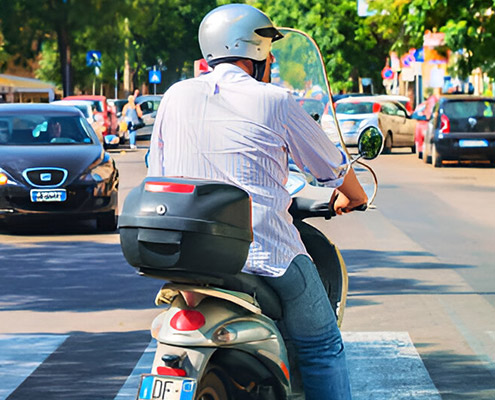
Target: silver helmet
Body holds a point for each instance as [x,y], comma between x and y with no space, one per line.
[236,31]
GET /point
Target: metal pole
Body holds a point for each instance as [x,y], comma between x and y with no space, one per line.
[154,85]
[116,84]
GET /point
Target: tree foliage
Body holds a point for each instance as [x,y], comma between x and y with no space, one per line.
[157,32]
[469,27]
[56,34]
[350,48]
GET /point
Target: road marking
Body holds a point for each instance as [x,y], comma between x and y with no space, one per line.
[143,366]
[382,366]
[20,355]
[386,366]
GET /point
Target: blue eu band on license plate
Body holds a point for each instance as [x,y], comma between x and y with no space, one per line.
[46,195]
[154,387]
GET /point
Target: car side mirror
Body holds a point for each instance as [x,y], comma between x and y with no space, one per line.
[370,143]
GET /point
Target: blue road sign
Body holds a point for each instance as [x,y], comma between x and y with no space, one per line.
[155,76]
[93,58]
[419,55]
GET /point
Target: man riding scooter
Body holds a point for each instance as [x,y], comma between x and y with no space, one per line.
[232,126]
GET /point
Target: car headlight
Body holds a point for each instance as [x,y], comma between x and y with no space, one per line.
[100,172]
[6,179]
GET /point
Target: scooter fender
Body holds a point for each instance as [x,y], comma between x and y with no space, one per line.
[227,326]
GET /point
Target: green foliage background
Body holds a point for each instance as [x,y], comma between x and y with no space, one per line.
[164,33]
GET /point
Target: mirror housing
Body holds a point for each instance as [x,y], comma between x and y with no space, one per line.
[370,143]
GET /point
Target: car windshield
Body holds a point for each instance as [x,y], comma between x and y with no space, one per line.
[354,108]
[83,109]
[43,129]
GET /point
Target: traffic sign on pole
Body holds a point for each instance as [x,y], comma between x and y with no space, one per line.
[93,58]
[387,73]
[155,76]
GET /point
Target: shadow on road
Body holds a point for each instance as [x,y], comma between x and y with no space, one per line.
[365,285]
[71,276]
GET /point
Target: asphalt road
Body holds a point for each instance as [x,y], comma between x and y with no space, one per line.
[419,323]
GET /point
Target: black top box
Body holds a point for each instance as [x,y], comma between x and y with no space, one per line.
[186,227]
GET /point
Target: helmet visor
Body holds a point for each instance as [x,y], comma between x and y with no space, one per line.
[270,32]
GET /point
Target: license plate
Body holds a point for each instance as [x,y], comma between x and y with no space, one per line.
[348,124]
[44,195]
[473,143]
[166,388]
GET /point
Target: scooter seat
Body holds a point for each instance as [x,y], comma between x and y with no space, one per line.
[256,286]
[253,285]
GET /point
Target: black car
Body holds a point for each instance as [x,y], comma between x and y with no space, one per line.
[462,127]
[53,165]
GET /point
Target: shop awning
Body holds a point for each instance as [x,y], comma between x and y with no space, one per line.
[16,84]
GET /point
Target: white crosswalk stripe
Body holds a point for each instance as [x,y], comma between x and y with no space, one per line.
[382,365]
[20,355]
[130,387]
[386,366]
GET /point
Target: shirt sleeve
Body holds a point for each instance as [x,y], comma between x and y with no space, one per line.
[311,148]
[155,160]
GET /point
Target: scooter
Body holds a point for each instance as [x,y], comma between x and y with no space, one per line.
[218,337]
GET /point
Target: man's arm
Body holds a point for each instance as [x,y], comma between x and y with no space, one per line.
[348,195]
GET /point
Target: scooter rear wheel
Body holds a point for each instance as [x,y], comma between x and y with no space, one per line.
[213,386]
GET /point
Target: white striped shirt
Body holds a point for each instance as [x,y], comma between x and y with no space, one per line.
[226,126]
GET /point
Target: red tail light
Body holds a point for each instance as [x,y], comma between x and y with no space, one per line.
[444,124]
[187,320]
[167,371]
[376,107]
[168,187]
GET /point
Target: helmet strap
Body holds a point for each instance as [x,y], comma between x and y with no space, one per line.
[258,69]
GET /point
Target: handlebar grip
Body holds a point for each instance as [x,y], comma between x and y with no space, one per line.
[362,207]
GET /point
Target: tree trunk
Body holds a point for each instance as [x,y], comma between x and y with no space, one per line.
[65,59]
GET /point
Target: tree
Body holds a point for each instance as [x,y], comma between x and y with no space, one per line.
[469,27]
[349,47]
[158,32]
[52,20]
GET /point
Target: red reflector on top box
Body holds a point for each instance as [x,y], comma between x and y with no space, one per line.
[168,187]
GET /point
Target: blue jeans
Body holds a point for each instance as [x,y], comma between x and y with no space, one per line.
[312,326]
[132,137]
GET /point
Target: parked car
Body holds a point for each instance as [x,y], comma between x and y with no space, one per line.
[396,124]
[149,104]
[85,106]
[101,107]
[462,127]
[118,104]
[404,100]
[353,113]
[52,165]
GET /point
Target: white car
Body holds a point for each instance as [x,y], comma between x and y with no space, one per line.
[354,114]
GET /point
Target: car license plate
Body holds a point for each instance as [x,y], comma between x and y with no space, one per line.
[473,143]
[166,388]
[44,195]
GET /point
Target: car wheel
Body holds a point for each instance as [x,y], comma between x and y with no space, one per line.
[436,159]
[387,148]
[418,152]
[107,222]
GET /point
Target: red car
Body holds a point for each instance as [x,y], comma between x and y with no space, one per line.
[101,108]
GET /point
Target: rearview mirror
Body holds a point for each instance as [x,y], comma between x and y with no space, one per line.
[370,143]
